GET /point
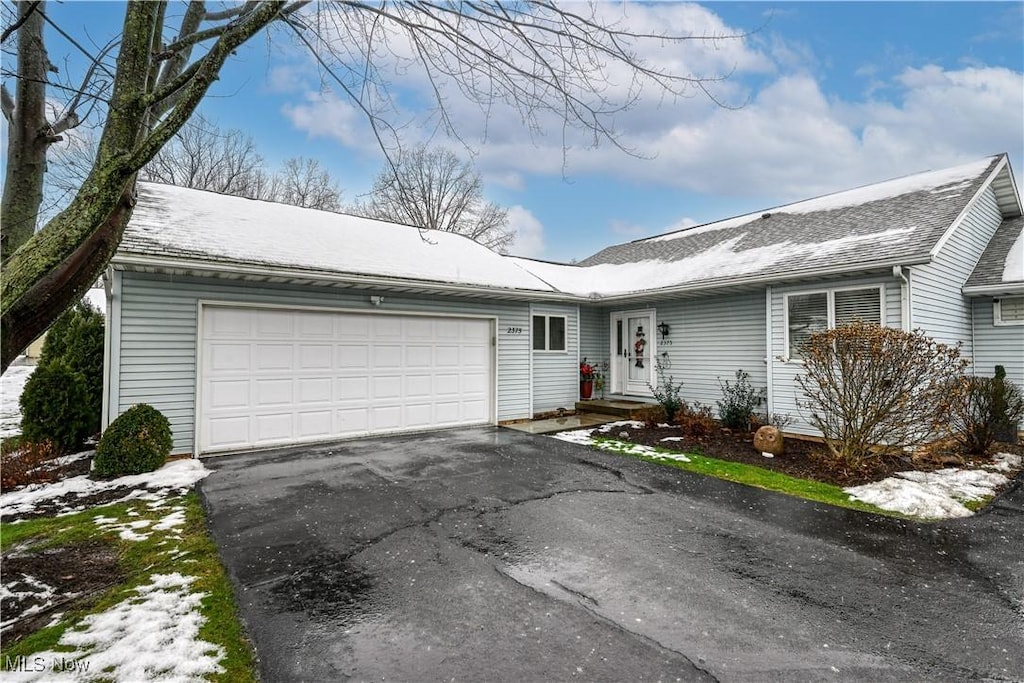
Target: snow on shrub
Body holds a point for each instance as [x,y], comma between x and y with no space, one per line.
[138,441]
[873,390]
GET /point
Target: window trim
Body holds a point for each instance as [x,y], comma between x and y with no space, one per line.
[547,333]
[997,312]
[830,310]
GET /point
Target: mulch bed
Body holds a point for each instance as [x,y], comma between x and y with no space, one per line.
[803,459]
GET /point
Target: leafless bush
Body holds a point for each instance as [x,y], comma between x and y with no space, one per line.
[982,408]
[873,390]
[696,422]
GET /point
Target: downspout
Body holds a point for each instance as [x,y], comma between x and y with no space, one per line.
[769,397]
[107,368]
[114,323]
[905,308]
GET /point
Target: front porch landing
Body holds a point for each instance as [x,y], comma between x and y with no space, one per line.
[625,408]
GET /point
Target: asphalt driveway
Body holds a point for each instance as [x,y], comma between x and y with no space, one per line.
[489,554]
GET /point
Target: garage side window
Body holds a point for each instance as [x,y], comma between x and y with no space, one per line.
[549,333]
[1009,310]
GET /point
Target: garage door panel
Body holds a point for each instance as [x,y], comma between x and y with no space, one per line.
[313,390]
[387,357]
[315,356]
[224,356]
[229,394]
[316,325]
[313,424]
[274,356]
[274,392]
[275,376]
[386,387]
[272,323]
[446,356]
[275,427]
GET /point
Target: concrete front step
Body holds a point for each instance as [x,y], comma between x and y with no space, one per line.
[623,408]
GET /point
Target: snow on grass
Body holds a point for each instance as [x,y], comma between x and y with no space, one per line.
[586,438]
[153,635]
[133,530]
[1005,462]
[11,385]
[174,477]
[16,593]
[934,495]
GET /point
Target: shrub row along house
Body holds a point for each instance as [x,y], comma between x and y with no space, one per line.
[251,324]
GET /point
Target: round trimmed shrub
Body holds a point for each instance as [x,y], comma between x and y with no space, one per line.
[55,407]
[138,441]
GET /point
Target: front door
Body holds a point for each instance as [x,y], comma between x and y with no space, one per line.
[632,352]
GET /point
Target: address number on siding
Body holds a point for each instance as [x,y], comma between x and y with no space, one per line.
[513,330]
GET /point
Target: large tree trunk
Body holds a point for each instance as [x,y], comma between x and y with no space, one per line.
[26,159]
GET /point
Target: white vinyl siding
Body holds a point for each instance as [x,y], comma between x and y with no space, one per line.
[594,336]
[785,392]
[939,307]
[997,345]
[556,373]
[158,333]
[709,340]
[1008,310]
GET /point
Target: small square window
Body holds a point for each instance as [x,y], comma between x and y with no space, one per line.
[548,333]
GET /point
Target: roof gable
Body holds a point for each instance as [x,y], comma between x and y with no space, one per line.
[1001,266]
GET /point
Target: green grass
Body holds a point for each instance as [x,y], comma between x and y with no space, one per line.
[193,555]
[749,475]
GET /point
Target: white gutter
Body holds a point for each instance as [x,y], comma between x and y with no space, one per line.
[994,290]
[263,271]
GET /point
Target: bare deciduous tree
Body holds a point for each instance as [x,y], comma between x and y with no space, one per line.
[304,182]
[434,189]
[542,59]
[203,157]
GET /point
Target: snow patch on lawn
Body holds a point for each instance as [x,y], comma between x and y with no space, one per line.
[133,530]
[174,477]
[151,636]
[39,596]
[586,437]
[11,385]
[932,495]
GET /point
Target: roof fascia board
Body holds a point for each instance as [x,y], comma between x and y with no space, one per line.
[885,265]
[138,260]
[994,290]
[165,263]
[967,209]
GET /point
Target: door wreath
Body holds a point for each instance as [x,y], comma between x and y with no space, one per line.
[638,346]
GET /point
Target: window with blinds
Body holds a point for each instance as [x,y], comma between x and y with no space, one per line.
[816,311]
[858,304]
[1009,310]
[807,314]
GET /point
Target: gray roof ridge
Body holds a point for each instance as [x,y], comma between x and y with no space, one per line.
[779,207]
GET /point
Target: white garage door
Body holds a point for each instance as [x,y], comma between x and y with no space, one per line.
[277,376]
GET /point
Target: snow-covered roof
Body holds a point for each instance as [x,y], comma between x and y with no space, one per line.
[896,220]
[1001,266]
[211,228]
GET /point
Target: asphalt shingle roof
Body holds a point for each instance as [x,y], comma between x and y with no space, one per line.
[914,212]
[995,267]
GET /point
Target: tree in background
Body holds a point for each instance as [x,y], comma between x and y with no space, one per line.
[202,156]
[434,189]
[576,63]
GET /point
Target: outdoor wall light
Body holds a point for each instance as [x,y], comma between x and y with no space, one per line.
[663,329]
[376,300]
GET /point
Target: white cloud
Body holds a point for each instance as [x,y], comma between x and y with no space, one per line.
[529,241]
[328,116]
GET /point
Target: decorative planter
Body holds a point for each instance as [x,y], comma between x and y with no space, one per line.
[586,388]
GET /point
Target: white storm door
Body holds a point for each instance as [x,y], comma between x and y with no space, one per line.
[633,366]
[274,376]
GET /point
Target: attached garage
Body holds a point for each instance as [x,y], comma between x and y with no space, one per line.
[270,376]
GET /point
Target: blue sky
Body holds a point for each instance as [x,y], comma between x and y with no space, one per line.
[838,95]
